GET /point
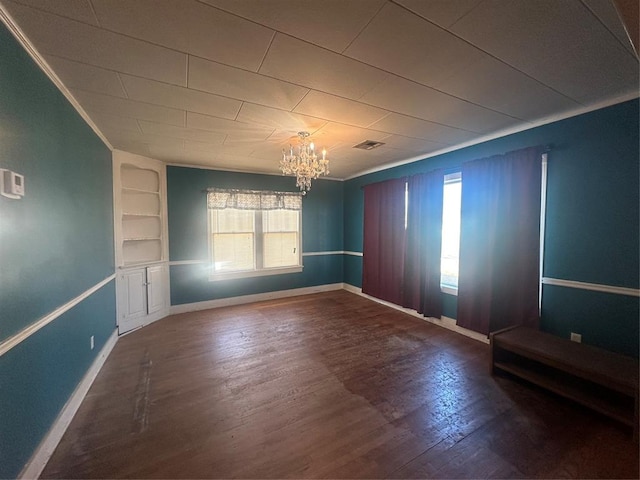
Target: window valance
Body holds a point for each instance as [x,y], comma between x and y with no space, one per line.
[221,198]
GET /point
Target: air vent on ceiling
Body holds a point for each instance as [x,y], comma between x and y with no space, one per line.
[368,145]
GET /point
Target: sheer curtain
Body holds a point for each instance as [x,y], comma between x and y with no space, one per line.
[384,240]
[499,241]
[421,282]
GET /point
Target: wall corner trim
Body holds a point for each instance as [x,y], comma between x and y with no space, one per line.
[47,446]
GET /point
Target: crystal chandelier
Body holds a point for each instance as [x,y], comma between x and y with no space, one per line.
[305,164]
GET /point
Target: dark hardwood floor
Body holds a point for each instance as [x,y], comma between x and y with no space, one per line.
[324,386]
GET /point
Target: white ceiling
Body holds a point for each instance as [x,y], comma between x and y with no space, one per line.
[228,83]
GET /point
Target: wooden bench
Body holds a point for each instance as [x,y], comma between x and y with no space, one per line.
[604,381]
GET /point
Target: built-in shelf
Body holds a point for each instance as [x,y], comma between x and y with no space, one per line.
[141,217]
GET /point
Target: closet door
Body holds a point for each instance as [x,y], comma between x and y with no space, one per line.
[155,289]
[132,299]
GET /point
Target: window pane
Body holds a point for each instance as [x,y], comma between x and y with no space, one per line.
[232,251]
[280,249]
[280,220]
[450,232]
[231,221]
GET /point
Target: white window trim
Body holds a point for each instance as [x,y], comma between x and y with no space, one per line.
[448,289]
[216,277]
[262,272]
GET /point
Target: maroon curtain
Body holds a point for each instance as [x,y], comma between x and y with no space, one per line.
[421,283]
[383,244]
[500,241]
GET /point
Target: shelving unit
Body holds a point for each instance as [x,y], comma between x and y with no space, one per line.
[598,379]
[141,219]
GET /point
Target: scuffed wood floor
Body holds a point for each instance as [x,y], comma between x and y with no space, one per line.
[324,386]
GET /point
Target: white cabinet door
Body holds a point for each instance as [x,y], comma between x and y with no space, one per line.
[155,289]
[132,296]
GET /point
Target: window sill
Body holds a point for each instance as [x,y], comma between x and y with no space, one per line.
[449,290]
[254,273]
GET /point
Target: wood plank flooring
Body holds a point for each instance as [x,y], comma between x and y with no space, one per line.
[330,385]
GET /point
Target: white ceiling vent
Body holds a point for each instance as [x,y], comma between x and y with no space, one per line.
[368,145]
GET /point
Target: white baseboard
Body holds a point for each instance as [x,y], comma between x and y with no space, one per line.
[47,446]
[445,322]
[258,297]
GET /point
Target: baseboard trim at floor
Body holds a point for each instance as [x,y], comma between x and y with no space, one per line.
[445,322]
[47,446]
[258,297]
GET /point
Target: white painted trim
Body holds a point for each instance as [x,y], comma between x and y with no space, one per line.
[258,297]
[25,333]
[596,287]
[304,254]
[543,223]
[503,133]
[47,446]
[445,322]
[186,262]
[23,40]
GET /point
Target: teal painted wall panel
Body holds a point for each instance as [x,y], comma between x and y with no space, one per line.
[38,375]
[55,243]
[593,208]
[606,320]
[63,227]
[322,231]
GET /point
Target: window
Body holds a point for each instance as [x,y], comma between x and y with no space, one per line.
[253,233]
[449,258]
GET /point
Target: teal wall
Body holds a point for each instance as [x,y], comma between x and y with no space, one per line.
[55,243]
[322,231]
[592,220]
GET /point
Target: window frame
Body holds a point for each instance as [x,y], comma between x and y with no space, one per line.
[258,270]
[455,177]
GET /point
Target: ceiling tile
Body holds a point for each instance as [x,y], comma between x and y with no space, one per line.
[500,87]
[193,28]
[442,12]
[242,85]
[86,77]
[324,70]
[401,42]
[403,96]
[332,24]
[336,136]
[94,46]
[145,90]
[110,123]
[280,119]
[417,128]
[414,145]
[330,107]
[74,9]
[608,14]
[235,131]
[129,108]
[562,44]
[181,132]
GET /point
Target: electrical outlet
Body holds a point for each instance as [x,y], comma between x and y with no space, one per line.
[92,342]
[576,337]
